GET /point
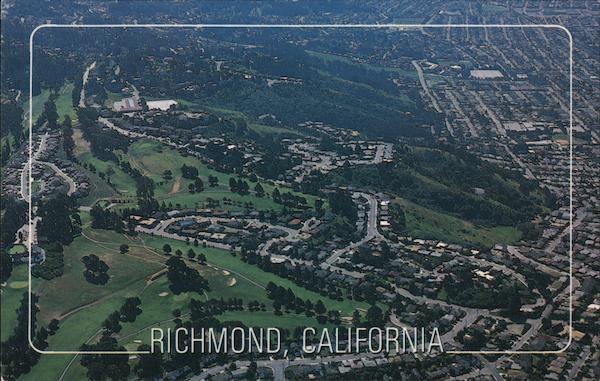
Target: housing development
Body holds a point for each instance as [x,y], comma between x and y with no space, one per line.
[294,190]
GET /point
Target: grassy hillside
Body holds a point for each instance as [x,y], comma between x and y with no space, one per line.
[452,195]
[152,159]
[428,224]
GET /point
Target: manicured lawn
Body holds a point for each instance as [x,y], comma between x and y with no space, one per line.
[64,102]
[122,181]
[10,300]
[252,273]
[70,291]
[153,159]
[17,249]
[37,106]
[425,223]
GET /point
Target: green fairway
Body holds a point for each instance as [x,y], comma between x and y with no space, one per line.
[64,102]
[254,275]
[11,295]
[37,106]
[152,159]
[122,181]
[65,294]
[425,223]
[17,249]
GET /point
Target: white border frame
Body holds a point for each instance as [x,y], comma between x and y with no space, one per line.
[313,26]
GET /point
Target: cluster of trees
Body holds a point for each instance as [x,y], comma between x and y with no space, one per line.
[224,159]
[278,162]
[128,312]
[283,297]
[96,270]
[238,186]
[16,355]
[53,265]
[302,276]
[105,219]
[184,278]
[365,255]
[462,290]
[213,181]
[11,117]
[341,203]
[13,217]
[67,137]
[49,115]
[101,367]
[6,265]
[397,218]
[289,199]
[189,172]
[102,141]
[60,221]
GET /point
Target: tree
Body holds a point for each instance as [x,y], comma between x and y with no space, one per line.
[260,192]
[150,365]
[100,367]
[130,309]
[320,308]
[198,184]
[191,188]
[124,248]
[5,266]
[49,114]
[56,224]
[67,135]
[166,248]
[356,318]
[191,254]
[276,196]
[252,372]
[95,269]
[233,185]
[374,316]
[398,218]
[319,205]
[184,278]
[202,258]
[178,253]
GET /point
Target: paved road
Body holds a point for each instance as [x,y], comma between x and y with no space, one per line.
[372,231]
[423,82]
[61,174]
[25,172]
[85,78]
[279,365]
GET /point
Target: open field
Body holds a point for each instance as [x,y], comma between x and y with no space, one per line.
[272,130]
[429,224]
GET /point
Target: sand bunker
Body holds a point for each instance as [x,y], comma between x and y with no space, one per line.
[164,293]
[231,282]
[225,272]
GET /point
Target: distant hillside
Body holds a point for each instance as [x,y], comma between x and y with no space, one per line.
[455,183]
